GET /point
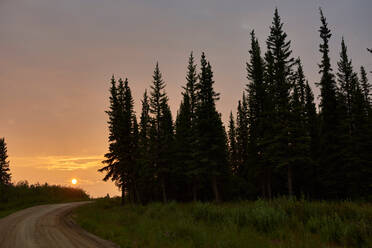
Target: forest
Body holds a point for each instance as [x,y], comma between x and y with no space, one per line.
[277,143]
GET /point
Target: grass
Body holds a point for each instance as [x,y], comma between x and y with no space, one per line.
[279,223]
[16,197]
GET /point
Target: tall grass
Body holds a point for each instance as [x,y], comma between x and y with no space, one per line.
[278,223]
[22,195]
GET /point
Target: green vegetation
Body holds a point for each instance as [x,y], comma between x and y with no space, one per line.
[278,223]
[23,195]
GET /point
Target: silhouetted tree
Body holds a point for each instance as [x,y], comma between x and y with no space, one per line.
[233,153]
[330,140]
[5,174]
[211,137]
[120,162]
[146,179]
[257,94]
[162,130]
[281,52]
[312,127]
[365,85]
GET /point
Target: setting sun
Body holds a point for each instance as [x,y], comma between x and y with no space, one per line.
[74,181]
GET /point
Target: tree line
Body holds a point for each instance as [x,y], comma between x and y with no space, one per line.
[277,143]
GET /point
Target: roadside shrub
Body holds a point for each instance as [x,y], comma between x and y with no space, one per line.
[266,218]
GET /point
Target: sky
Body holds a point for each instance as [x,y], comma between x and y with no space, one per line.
[57,58]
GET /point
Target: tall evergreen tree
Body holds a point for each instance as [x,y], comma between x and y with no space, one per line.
[162,129]
[330,113]
[193,169]
[184,146]
[112,157]
[242,137]
[347,84]
[191,81]
[119,159]
[233,153]
[146,182]
[166,155]
[312,127]
[211,137]
[365,86]
[281,52]
[299,137]
[5,174]
[256,90]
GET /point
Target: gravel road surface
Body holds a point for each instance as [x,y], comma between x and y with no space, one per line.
[47,226]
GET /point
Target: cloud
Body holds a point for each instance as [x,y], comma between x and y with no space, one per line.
[63,163]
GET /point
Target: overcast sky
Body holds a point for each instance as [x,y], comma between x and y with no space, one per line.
[57,58]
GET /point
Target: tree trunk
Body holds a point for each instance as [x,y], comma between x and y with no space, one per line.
[163,190]
[138,198]
[194,191]
[215,189]
[122,196]
[263,189]
[269,193]
[290,189]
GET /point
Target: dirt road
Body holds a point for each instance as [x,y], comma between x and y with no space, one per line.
[47,226]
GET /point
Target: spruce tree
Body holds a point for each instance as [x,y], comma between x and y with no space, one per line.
[281,52]
[233,153]
[211,136]
[145,167]
[365,86]
[162,129]
[191,81]
[330,111]
[5,174]
[166,154]
[242,136]
[312,127]
[183,146]
[299,137]
[112,157]
[256,90]
[119,159]
[347,85]
[193,171]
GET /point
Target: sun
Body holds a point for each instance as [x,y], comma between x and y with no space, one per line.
[74,181]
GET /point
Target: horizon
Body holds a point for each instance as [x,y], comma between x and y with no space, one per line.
[56,84]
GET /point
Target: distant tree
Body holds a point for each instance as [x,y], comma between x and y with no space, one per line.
[5,174]
[211,136]
[369,50]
